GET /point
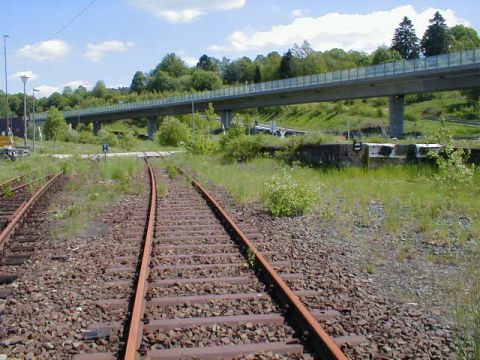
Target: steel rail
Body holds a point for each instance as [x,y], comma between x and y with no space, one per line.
[13,181]
[25,207]
[320,341]
[135,329]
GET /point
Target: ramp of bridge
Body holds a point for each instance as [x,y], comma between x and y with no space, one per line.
[452,71]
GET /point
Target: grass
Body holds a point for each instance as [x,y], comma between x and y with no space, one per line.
[91,188]
[405,192]
[413,206]
[62,147]
[26,165]
[356,114]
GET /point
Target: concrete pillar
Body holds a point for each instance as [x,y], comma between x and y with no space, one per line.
[152,127]
[397,110]
[226,116]
[97,126]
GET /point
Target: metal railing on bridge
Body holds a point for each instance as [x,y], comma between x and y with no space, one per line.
[382,70]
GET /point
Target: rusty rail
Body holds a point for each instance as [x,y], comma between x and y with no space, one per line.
[322,344]
[135,328]
[26,207]
[15,180]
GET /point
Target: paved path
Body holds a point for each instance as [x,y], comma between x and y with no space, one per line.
[140,154]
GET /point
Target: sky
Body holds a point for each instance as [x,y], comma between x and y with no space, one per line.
[60,43]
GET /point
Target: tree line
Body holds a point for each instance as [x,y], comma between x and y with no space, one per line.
[172,76]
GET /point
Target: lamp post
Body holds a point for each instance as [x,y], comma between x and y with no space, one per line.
[24,80]
[33,117]
[6,80]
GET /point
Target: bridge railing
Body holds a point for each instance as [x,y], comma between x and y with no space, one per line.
[374,71]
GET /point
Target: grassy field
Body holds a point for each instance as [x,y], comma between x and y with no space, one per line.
[411,203]
[357,114]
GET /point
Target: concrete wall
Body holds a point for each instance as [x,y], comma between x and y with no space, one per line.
[367,154]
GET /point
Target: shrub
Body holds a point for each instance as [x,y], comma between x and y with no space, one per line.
[283,196]
[72,136]
[202,145]
[87,137]
[453,171]
[127,141]
[55,127]
[242,148]
[172,132]
[108,138]
[236,130]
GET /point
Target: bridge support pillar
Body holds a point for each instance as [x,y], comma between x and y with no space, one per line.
[152,127]
[97,126]
[226,116]
[397,110]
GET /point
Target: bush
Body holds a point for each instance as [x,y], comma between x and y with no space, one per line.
[453,171]
[108,138]
[55,127]
[235,131]
[283,196]
[202,145]
[242,148]
[127,141]
[172,132]
[72,136]
[87,137]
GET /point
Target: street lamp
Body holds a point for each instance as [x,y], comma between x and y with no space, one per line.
[6,80]
[33,117]
[24,80]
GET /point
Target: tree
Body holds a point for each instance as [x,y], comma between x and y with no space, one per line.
[208,63]
[172,132]
[139,82]
[56,100]
[257,77]
[462,38]
[162,81]
[100,90]
[435,39]
[55,127]
[384,54]
[205,80]
[271,66]
[405,41]
[172,65]
[286,69]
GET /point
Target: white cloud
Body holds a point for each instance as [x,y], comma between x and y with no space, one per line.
[48,51]
[76,83]
[191,61]
[31,75]
[347,31]
[297,13]
[96,51]
[46,90]
[185,10]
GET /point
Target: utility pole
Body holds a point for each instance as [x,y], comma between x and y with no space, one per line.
[33,116]
[24,80]
[193,118]
[6,81]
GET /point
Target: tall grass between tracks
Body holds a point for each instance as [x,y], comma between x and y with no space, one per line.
[36,165]
[93,187]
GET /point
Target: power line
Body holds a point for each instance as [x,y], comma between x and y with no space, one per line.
[70,22]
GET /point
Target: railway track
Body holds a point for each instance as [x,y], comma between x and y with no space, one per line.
[17,206]
[203,290]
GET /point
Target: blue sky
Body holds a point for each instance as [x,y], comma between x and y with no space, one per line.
[114,38]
